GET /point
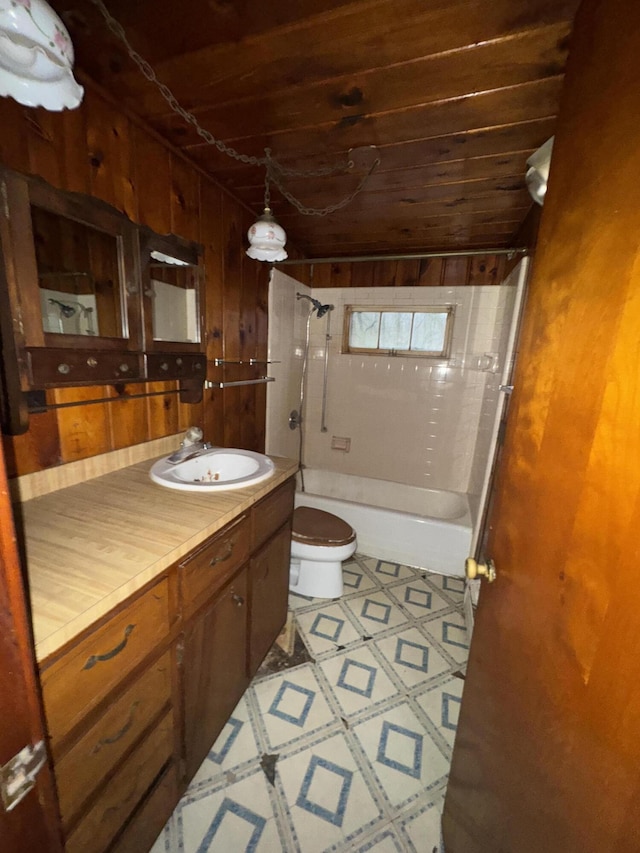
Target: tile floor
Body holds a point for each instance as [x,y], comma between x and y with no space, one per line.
[348,752]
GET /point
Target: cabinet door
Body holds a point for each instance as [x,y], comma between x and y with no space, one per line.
[268,596]
[214,669]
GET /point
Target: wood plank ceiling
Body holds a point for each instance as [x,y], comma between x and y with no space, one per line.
[455,95]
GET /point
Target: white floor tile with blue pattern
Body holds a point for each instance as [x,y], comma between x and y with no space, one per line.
[361,737]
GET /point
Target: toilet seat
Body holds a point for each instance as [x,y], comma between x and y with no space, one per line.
[317,527]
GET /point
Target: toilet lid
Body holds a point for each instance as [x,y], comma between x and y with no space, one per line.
[317,527]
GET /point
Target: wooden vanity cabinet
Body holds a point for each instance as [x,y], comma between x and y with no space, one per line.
[112,718]
[244,570]
[135,704]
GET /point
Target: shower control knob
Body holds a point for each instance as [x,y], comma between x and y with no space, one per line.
[295,419]
[473,569]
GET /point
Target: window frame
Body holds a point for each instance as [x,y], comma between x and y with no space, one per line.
[444,353]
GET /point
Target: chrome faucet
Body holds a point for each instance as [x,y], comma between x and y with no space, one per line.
[191,446]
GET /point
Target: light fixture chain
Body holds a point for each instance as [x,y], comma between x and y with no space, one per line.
[274,169]
[168,95]
[322,211]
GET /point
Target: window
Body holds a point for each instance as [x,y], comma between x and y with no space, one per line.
[424,332]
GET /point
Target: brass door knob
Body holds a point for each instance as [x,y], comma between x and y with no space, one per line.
[473,569]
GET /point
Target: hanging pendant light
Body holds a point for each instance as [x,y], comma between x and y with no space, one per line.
[267,239]
[36,56]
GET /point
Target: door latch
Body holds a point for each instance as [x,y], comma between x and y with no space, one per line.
[18,775]
[473,569]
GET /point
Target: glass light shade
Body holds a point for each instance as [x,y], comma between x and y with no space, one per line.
[36,56]
[266,239]
[167,259]
[538,172]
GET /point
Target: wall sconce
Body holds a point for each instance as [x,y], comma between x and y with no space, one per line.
[36,56]
[538,172]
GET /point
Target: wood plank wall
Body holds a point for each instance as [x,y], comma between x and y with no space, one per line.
[429,272]
[99,150]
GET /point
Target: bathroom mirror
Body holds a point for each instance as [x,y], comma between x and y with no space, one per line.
[79,277]
[172,293]
[72,265]
[90,298]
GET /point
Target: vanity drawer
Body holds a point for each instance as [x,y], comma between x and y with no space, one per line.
[97,753]
[271,512]
[76,683]
[208,568]
[122,796]
[147,823]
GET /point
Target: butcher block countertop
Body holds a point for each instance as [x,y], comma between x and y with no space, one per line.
[91,545]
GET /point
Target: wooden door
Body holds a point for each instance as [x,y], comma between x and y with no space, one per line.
[215,649]
[547,754]
[33,823]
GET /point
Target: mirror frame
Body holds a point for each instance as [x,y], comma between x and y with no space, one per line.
[183,250]
[33,359]
[20,193]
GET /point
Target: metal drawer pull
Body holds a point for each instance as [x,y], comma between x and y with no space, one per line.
[237,599]
[107,741]
[222,557]
[94,659]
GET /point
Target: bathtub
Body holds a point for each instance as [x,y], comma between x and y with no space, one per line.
[420,527]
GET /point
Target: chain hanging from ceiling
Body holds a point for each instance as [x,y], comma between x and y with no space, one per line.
[274,170]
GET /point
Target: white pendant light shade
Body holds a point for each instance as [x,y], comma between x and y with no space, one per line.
[267,239]
[36,56]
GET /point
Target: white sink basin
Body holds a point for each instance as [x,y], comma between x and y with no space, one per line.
[215,470]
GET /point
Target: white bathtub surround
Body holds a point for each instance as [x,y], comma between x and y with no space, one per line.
[410,420]
[426,528]
[422,423]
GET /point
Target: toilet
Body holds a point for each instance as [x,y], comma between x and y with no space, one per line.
[320,542]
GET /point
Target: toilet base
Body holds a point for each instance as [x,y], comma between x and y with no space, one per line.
[316,578]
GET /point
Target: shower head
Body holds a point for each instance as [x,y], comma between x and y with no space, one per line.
[317,305]
[65,310]
[322,310]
